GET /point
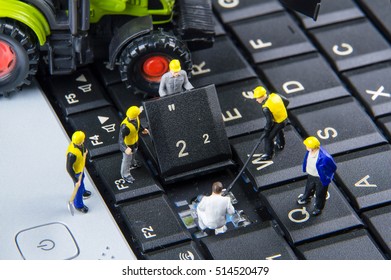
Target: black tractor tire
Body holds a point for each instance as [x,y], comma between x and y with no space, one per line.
[23,46]
[146,50]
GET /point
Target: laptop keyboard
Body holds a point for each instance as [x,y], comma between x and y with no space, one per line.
[336,74]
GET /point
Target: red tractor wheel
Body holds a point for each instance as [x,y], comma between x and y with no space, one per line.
[154,67]
[146,59]
[7,59]
[18,56]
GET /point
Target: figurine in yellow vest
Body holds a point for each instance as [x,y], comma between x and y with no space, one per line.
[76,160]
[128,142]
[274,109]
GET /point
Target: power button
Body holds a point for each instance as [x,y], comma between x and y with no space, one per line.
[52,241]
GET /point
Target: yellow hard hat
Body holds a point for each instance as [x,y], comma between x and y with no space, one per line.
[312,142]
[78,137]
[175,65]
[133,112]
[259,92]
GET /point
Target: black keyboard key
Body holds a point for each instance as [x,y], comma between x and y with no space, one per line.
[229,10]
[285,165]
[340,125]
[254,242]
[354,245]
[77,92]
[297,220]
[346,47]
[379,221]
[271,37]
[186,251]
[107,76]
[372,85]
[153,223]
[385,123]
[221,64]
[188,133]
[219,29]
[108,170]
[101,127]
[296,79]
[124,98]
[241,113]
[365,178]
[332,12]
[379,11]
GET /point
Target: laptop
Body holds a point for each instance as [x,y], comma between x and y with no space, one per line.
[334,71]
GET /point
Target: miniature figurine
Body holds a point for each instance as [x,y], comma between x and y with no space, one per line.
[175,80]
[128,142]
[320,167]
[76,159]
[274,109]
[212,210]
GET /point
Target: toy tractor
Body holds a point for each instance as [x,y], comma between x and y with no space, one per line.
[139,37]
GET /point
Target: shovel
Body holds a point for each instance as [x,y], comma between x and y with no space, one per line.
[244,166]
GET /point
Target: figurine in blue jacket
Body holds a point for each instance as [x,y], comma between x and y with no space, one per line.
[320,167]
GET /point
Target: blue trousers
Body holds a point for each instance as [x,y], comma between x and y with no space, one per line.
[78,202]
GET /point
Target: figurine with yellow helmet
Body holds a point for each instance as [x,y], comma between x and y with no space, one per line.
[128,142]
[320,167]
[274,109]
[75,164]
[175,80]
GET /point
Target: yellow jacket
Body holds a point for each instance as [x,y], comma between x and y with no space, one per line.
[132,137]
[79,164]
[276,106]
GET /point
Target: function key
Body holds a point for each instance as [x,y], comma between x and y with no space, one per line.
[297,220]
[153,223]
[332,12]
[77,92]
[108,170]
[373,86]
[340,125]
[255,242]
[304,86]
[187,251]
[101,127]
[364,176]
[348,48]
[271,37]
[354,245]
[232,10]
